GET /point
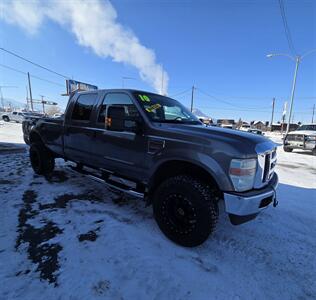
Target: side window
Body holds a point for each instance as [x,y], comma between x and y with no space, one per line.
[14,112]
[83,107]
[118,99]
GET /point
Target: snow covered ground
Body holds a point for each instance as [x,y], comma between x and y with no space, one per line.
[68,237]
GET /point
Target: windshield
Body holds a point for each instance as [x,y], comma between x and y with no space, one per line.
[165,110]
[308,127]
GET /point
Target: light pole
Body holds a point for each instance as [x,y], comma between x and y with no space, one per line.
[297,59]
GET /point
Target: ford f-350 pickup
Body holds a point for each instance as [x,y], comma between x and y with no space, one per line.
[151,146]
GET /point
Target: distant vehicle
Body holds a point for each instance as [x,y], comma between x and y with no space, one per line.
[18,117]
[255,131]
[152,147]
[244,127]
[228,126]
[14,116]
[303,138]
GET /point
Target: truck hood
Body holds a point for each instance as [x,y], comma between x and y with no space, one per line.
[243,142]
[303,132]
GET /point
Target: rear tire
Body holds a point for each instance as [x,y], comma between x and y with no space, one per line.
[42,160]
[185,210]
[287,149]
[6,119]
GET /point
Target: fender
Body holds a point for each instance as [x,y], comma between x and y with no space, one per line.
[199,159]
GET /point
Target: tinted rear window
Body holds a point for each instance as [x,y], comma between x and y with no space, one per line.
[83,107]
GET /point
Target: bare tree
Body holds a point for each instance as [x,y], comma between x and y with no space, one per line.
[53,109]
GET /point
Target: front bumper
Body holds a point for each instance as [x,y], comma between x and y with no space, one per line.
[245,206]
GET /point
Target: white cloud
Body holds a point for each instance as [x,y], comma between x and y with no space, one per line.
[94,24]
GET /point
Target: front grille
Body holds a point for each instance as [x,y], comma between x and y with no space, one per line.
[295,137]
[269,166]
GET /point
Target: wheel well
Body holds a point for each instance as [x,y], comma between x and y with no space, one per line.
[177,167]
[34,137]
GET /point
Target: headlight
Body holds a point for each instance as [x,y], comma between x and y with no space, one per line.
[242,173]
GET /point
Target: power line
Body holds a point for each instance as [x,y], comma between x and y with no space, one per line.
[229,103]
[286,28]
[215,98]
[247,110]
[34,63]
[33,76]
[181,93]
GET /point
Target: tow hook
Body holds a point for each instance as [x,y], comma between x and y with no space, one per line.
[275,200]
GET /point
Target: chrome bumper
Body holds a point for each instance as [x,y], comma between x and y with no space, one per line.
[252,202]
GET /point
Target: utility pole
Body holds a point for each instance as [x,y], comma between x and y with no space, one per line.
[43,103]
[297,62]
[192,97]
[31,99]
[162,79]
[297,59]
[313,113]
[2,101]
[273,103]
[27,99]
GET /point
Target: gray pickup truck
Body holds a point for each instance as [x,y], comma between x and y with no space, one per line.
[151,146]
[304,138]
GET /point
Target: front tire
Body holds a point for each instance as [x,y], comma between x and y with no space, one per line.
[185,210]
[287,149]
[42,160]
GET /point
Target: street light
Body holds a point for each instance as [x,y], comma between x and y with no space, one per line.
[297,59]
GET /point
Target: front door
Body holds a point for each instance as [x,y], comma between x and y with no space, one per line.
[122,152]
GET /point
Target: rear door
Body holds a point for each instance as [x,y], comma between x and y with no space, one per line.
[122,152]
[78,129]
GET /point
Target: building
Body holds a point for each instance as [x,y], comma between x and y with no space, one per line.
[282,127]
[259,125]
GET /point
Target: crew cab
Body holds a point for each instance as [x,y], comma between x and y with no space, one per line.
[152,147]
[18,117]
[15,116]
[303,138]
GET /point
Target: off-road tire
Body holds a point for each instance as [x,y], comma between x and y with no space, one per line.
[287,149]
[6,119]
[200,209]
[41,158]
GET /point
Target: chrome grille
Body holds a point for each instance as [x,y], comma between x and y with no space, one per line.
[266,167]
[295,137]
[269,165]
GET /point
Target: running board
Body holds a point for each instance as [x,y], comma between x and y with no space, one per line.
[121,187]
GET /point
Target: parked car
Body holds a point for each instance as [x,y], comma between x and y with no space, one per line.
[151,146]
[13,116]
[303,138]
[245,127]
[228,126]
[18,117]
[255,131]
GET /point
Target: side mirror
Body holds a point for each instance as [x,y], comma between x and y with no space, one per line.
[118,121]
[115,118]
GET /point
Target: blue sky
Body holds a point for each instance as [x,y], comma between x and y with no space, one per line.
[219,46]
